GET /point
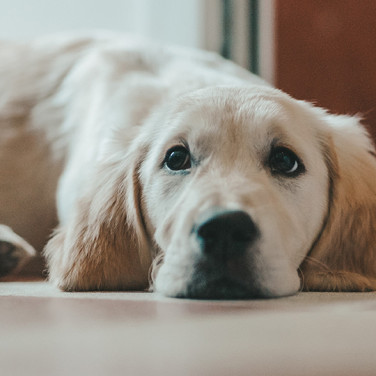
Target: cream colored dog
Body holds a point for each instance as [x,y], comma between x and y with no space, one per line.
[178,163]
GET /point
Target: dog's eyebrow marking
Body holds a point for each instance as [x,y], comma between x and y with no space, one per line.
[184,142]
[278,136]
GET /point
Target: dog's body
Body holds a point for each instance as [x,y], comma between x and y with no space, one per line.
[177,156]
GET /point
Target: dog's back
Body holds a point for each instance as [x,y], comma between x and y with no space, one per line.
[30,74]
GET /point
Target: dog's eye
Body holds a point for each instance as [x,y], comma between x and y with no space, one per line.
[178,158]
[284,162]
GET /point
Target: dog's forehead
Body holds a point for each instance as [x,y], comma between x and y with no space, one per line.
[233,122]
[255,104]
[232,114]
[233,107]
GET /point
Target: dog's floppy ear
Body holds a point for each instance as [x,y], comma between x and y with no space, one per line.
[343,257]
[103,246]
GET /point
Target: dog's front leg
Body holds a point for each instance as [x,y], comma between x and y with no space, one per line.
[14,251]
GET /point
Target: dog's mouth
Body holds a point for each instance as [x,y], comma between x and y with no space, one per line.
[218,289]
[216,280]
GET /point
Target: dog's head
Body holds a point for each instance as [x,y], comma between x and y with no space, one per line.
[237,189]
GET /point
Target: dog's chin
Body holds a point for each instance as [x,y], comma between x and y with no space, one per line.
[222,285]
[218,289]
[204,285]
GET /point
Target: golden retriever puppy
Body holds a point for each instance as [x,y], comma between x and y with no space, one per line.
[174,167]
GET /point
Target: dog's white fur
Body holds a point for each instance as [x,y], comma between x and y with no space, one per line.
[89,120]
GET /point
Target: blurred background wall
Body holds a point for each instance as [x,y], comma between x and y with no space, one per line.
[318,50]
[325,52]
[218,25]
[175,21]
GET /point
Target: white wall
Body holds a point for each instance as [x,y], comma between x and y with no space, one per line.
[174,21]
[194,23]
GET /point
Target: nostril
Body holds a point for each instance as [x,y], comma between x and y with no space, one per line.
[226,231]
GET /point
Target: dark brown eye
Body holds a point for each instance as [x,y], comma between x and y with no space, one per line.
[177,158]
[285,162]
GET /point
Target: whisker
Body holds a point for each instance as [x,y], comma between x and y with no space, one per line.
[318,263]
[153,271]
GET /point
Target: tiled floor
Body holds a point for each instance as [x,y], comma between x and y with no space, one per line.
[47,332]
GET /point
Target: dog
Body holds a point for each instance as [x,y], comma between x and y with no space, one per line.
[174,169]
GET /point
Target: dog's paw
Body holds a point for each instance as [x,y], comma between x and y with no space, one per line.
[9,258]
[14,251]
[341,281]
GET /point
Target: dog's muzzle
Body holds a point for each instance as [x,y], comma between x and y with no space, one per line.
[224,237]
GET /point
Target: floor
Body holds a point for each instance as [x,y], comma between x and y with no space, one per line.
[47,332]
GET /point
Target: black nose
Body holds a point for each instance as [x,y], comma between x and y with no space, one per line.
[226,233]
